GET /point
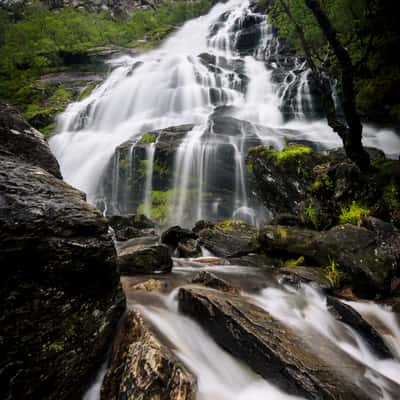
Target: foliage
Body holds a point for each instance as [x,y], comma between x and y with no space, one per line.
[148,138]
[368,28]
[312,214]
[38,41]
[353,214]
[333,274]
[231,225]
[294,263]
[292,151]
[161,203]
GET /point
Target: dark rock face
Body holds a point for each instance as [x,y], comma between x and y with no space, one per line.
[229,238]
[131,226]
[266,345]
[18,139]
[182,241]
[142,368]
[297,275]
[144,256]
[371,261]
[304,188]
[60,294]
[351,317]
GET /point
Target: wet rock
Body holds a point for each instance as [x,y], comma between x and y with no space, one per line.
[266,345]
[60,296]
[210,260]
[131,226]
[229,239]
[182,240]
[212,281]
[144,256]
[257,260]
[151,285]
[141,368]
[296,275]
[369,259]
[19,140]
[351,317]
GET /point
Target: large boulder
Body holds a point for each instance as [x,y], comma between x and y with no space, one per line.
[141,368]
[228,238]
[270,348]
[370,259]
[144,256]
[60,294]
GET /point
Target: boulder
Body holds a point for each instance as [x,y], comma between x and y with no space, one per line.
[151,285]
[370,260]
[229,238]
[267,346]
[19,140]
[131,226]
[144,256]
[298,274]
[351,317]
[212,281]
[181,240]
[60,296]
[141,368]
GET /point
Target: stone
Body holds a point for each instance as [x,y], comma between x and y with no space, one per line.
[369,259]
[212,281]
[141,368]
[131,226]
[181,240]
[267,346]
[351,317]
[138,256]
[296,275]
[60,295]
[229,239]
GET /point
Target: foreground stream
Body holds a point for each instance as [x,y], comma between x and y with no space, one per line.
[303,309]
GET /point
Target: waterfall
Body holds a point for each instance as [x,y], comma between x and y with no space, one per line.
[149,177]
[227,74]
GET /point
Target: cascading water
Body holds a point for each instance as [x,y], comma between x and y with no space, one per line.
[228,75]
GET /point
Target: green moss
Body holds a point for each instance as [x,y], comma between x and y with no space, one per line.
[391,201]
[313,215]
[323,182]
[281,233]
[353,214]
[123,164]
[294,263]
[293,151]
[160,207]
[57,346]
[231,225]
[148,138]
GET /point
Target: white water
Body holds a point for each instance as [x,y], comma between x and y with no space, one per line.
[150,150]
[172,86]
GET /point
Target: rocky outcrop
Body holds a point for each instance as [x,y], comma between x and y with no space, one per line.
[351,317]
[141,368]
[60,295]
[303,187]
[228,238]
[20,141]
[144,256]
[267,346]
[131,226]
[371,260]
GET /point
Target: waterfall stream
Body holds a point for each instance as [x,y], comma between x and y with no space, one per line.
[226,73]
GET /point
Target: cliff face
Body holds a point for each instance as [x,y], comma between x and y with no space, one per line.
[60,296]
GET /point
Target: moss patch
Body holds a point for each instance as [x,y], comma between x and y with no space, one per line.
[148,138]
[353,214]
[231,225]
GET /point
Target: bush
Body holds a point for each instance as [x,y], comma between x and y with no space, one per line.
[353,214]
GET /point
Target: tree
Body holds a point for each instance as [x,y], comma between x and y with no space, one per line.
[350,128]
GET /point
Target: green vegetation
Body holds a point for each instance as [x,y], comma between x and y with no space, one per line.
[333,274]
[312,214]
[369,31]
[148,138]
[35,40]
[353,214]
[231,225]
[391,201]
[160,207]
[294,263]
[293,151]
